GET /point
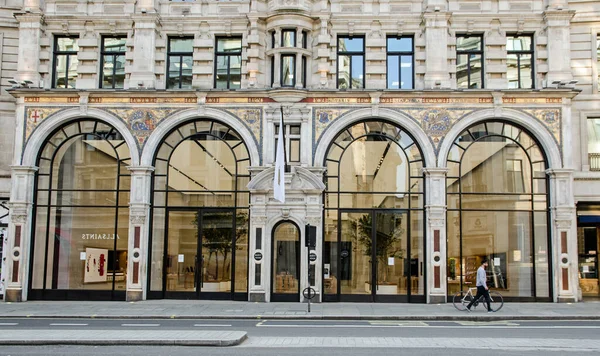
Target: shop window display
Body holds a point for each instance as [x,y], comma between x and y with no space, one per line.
[497,210]
[82,214]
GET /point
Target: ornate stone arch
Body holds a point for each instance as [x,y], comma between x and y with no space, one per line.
[401,119]
[537,129]
[171,122]
[48,125]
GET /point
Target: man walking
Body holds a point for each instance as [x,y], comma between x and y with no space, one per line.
[482,288]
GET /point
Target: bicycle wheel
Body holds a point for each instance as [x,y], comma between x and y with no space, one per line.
[497,301]
[461,300]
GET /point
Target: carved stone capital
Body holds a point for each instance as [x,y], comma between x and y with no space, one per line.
[259,220]
[18,218]
[563,224]
[137,219]
[314,220]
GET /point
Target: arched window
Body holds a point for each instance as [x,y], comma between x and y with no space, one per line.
[81,213]
[498,210]
[374,213]
[200,213]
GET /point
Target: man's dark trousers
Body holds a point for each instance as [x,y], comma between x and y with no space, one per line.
[481,291]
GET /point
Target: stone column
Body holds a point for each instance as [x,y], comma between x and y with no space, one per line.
[30,28]
[19,234]
[436,31]
[564,235]
[138,248]
[558,30]
[298,71]
[144,54]
[435,255]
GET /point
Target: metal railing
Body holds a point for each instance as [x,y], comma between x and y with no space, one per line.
[594,159]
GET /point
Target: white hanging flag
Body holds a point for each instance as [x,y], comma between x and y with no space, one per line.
[278,179]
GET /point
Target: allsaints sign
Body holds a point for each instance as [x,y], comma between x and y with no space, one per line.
[100,236]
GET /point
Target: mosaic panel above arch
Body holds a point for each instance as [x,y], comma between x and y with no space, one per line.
[141,122]
[436,122]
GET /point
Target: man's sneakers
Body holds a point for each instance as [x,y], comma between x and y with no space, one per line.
[491,311]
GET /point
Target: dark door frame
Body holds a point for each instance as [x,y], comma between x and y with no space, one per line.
[373,297]
[281,297]
[198,294]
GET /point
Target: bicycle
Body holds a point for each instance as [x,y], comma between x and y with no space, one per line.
[462,299]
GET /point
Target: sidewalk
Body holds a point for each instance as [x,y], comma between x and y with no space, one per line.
[201,309]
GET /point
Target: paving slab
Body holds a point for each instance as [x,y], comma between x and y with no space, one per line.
[122,337]
[198,309]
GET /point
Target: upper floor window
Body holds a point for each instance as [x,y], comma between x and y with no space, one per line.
[65,61]
[593,131]
[469,62]
[304,39]
[519,62]
[400,69]
[351,62]
[113,62]
[292,142]
[598,59]
[180,62]
[288,38]
[228,63]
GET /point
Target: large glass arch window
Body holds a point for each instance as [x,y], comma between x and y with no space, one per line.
[81,214]
[200,213]
[498,210]
[374,214]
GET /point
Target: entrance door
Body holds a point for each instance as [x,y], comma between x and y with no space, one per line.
[373,250]
[199,256]
[285,285]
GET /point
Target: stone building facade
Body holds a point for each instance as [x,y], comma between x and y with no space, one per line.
[422,138]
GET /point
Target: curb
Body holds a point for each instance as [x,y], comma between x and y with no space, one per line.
[129,342]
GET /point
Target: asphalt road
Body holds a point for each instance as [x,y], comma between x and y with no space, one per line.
[577,334]
[579,329]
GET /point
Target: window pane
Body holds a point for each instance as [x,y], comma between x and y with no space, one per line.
[350,44]
[114,44]
[235,72]
[403,44]
[393,74]
[343,72]
[406,72]
[221,75]
[357,72]
[229,44]
[518,43]
[65,44]
[181,44]
[186,72]
[525,68]
[72,73]
[119,71]
[295,129]
[107,71]
[287,70]
[462,73]
[295,150]
[512,71]
[468,43]
[288,38]
[475,81]
[174,64]
[61,70]
[593,128]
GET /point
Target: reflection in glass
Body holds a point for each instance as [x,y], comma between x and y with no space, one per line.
[499,215]
[286,259]
[228,63]
[82,210]
[288,70]
[182,248]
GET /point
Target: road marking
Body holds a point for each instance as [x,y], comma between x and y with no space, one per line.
[67,324]
[140,324]
[398,323]
[8,324]
[217,325]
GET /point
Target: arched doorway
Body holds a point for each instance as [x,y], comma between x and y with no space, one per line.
[81,219]
[497,198]
[200,214]
[285,285]
[373,246]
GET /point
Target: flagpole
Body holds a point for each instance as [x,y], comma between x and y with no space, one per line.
[287,167]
